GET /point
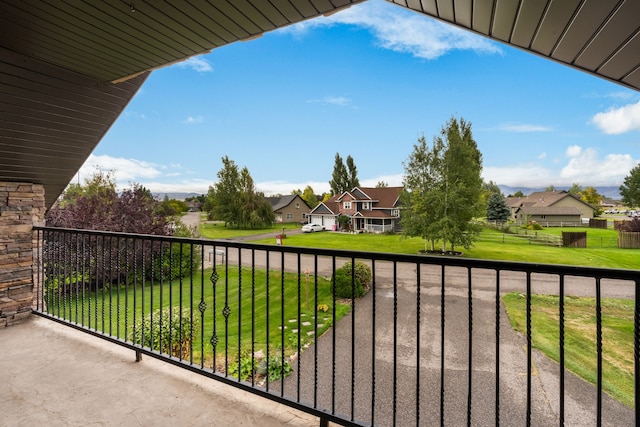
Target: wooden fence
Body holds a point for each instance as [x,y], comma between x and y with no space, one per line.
[629,240]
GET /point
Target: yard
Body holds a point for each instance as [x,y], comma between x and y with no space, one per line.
[492,245]
[254,301]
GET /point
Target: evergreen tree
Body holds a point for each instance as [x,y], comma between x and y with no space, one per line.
[382,184]
[497,209]
[630,189]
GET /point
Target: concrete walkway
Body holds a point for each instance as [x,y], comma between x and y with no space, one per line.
[52,375]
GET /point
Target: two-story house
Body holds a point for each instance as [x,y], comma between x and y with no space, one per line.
[369,209]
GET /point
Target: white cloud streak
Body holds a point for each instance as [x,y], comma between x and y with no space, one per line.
[340,101]
[403,31]
[196,63]
[616,121]
[523,128]
[191,120]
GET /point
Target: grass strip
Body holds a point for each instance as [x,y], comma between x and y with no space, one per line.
[580,337]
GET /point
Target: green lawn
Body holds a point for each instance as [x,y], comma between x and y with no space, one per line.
[580,337]
[245,304]
[217,230]
[490,246]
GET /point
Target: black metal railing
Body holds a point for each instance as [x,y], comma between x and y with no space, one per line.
[429,343]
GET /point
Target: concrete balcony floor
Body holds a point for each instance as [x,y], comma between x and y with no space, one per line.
[54,375]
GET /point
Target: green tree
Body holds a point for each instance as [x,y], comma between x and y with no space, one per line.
[630,189]
[550,188]
[234,199]
[576,189]
[519,193]
[352,174]
[497,209]
[382,184]
[591,196]
[489,188]
[443,187]
[422,182]
[339,177]
[224,194]
[463,184]
[310,197]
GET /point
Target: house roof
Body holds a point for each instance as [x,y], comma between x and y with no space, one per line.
[544,199]
[374,214]
[284,201]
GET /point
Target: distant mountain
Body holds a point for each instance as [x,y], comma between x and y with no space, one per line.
[177,196]
[610,192]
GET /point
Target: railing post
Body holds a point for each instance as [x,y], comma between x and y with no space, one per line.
[138,356]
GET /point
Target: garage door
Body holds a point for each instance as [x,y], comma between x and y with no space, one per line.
[316,219]
[329,222]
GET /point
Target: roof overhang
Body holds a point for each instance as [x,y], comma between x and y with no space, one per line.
[67,70]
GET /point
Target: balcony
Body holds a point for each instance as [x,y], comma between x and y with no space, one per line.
[429,343]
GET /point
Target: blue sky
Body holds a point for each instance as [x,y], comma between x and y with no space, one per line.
[367,82]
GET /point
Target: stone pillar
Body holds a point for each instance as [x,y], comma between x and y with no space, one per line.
[21,207]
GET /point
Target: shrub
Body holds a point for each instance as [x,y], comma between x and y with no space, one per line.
[242,370]
[276,369]
[363,273]
[170,332]
[178,260]
[345,287]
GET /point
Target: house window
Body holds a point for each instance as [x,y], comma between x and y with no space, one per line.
[297,205]
[395,212]
[346,205]
[366,206]
[289,216]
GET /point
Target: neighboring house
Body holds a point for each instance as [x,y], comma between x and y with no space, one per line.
[291,208]
[369,209]
[550,208]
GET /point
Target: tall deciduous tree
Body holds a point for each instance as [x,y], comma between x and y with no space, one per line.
[443,187]
[630,189]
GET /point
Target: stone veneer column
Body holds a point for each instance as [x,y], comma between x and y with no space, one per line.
[21,207]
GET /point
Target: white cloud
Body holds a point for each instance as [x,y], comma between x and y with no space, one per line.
[196,63]
[523,128]
[585,167]
[270,188]
[191,120]
[542,156]
[403,31]
[522,175]
[199,186]
[391,180]
[125,170]
[618,120]
[332,100]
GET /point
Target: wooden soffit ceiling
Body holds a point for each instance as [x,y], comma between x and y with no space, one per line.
[600,37]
